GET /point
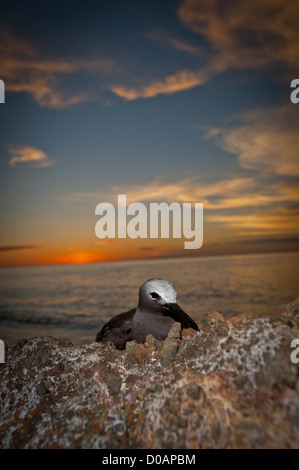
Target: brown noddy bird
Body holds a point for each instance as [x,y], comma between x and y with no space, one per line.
[157,310]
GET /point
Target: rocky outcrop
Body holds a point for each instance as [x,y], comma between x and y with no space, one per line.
[230,385]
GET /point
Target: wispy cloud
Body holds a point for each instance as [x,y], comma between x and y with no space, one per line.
[261,35]
[265,142]
[247,34]
[271,240]
[26,69]
[263,139]
[172,42]
[251,207]
[26,156]
[277,221]
[20,247]
[180,81]
[233,193]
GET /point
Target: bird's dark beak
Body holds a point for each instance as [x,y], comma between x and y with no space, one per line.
[177,314]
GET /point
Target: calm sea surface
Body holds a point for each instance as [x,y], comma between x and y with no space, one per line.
[73,302]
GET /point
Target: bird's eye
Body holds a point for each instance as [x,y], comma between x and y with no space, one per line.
[154,296]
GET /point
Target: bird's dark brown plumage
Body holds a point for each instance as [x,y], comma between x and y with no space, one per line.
[157,310]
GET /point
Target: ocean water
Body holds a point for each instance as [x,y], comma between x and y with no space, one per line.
[72,302]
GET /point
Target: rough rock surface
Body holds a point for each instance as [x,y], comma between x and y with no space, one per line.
[230,385]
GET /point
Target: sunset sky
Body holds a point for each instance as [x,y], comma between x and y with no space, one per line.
[175,101]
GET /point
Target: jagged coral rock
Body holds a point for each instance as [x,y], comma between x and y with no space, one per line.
[230,385]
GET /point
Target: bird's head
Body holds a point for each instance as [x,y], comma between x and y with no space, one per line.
[159,296]
[157,292]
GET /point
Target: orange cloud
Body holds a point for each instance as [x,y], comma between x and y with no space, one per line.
[260,34]
[222,194]
[232,193]
[247,34]
[26,70]
[281,220]
[263,139]
[29,156]
[172,84]
[180,81]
